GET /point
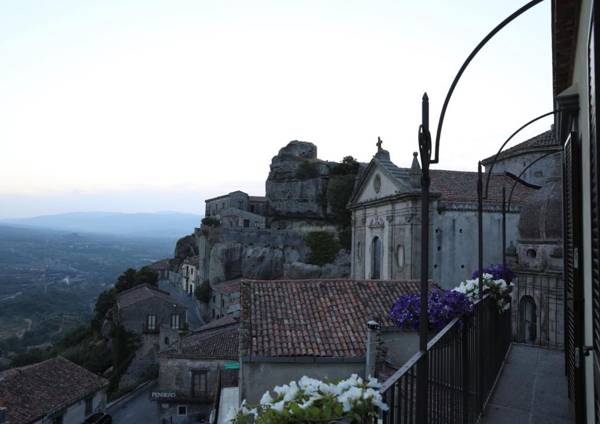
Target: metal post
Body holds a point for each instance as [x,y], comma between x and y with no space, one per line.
[423,364]
[478,320]
[504,226]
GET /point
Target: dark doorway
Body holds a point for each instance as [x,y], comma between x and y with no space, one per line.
[376,259]
[528,319]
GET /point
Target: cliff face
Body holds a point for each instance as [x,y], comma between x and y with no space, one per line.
[185,247]
[297,184]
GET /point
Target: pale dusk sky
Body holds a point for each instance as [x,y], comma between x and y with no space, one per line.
[139,106]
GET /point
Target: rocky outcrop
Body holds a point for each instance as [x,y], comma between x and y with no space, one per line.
[340,268]
[297,183]
[185,247]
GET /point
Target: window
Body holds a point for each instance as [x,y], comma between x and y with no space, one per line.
[199,383]
[175,321]
[400,256]
[166,341]
[151,322]
[376,258]
[246,223]
[89,405]
[58,419]
[182,410]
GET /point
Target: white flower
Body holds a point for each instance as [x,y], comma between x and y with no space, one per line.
[291,392]
[373,382]
[266,399]
[349,396]
[278,406]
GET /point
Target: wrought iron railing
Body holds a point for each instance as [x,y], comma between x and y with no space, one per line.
[465,359]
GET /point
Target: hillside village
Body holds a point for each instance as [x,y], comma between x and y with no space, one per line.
[270,288]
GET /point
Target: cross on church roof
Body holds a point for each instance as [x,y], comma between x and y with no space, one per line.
[379,143]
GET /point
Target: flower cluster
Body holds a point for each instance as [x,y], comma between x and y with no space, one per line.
[498,288]
[498,272]
[442,307]
[352,400]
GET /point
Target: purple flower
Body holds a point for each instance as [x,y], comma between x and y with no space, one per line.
[442,307]
[498,272]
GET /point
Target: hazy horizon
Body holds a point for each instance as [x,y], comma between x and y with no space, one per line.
[132,106]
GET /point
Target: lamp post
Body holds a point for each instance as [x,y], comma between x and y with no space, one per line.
[425,150]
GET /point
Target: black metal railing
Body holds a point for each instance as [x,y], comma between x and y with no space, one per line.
[464,361]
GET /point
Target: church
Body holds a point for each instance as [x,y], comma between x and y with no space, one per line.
[386,221]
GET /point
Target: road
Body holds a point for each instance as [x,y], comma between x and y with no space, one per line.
[136,409]
[194,317]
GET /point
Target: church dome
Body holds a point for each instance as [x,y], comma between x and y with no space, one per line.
[541,215]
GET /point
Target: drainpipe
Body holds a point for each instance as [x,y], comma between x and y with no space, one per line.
[371,355]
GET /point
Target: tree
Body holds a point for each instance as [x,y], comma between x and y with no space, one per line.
[323,247]
[202,292]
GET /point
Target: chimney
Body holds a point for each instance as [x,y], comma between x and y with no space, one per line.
[371,355]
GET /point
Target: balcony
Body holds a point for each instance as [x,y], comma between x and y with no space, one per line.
[477,374]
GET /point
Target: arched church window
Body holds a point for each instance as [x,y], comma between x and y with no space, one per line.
[376,258]
[527,319]
[531,253]
[400,256]
[359,250]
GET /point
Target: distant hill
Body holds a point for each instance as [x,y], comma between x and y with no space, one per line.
[171,225]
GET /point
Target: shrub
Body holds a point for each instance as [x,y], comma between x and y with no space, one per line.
[210,221]
[323,247]
[349,165]
[307,170]
[498,272]
[202,292]
[339,191]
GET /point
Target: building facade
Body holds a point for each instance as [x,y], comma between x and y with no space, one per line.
[386,222]
[192,373]
[144,309]
[190,278]
[52,391]
[236,200]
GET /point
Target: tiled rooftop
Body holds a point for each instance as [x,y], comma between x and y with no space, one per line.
[33,391]
[140,293]
[319,318]
[219,343]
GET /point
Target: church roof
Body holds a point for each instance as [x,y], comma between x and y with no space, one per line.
[452,186]
[544,141]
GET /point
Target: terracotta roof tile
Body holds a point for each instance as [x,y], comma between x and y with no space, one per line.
[221,343]
[321,318]
[33,391]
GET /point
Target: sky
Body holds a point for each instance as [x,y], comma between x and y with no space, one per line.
[143,105]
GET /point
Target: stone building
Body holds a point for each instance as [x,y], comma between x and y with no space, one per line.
[538,262]
[52,391]
[386,222]
[317,328]
[190,278]
[144,309]
[518,158]
[236,200]
[193,372]
[224,299]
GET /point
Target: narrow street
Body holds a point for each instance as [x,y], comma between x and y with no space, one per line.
[137,408]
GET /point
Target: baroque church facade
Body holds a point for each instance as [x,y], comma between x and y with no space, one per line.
[386,221]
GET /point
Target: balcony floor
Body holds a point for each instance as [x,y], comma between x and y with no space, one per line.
[532,389]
